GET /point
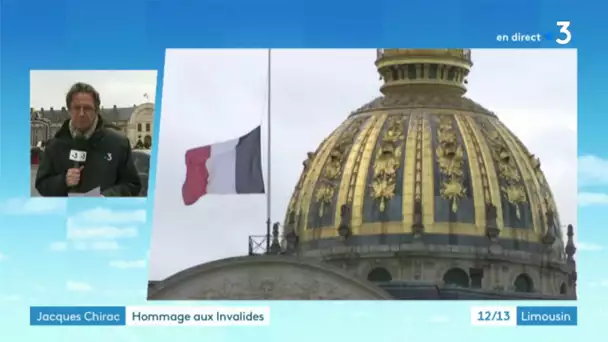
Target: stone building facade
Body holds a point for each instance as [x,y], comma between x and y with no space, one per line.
[136,122]
[264,277]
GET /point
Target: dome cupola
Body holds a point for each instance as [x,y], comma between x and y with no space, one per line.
[412,69]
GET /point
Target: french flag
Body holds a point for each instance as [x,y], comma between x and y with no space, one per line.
[230,167]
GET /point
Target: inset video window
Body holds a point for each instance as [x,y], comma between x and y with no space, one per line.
[445,174]
[86,136]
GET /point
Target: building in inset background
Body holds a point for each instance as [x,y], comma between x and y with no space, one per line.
[136,122]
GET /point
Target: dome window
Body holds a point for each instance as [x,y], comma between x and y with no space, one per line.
[379,275]
[456,277]
[523,283]
[476,277]
[563,289]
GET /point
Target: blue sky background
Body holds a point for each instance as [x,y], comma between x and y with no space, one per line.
[51,255]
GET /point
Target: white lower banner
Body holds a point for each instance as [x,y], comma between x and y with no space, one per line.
[197,316]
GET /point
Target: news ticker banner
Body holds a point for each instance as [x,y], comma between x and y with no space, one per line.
[512,316]
[149,316]
[504,316]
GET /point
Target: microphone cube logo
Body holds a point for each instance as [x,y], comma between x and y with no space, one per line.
[78,156]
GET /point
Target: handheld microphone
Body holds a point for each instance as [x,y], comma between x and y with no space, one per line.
[78,155]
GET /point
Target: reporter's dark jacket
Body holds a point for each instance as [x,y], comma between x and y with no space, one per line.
[109,165]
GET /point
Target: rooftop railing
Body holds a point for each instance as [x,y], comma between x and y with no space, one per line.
[464,54]
[273,244]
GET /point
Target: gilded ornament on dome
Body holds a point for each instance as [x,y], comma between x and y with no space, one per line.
[309,157]
[481,163]
[388,161]
[535,163]
[513,188]
[324,196]
[450,160]
[297,192]
[332,169]
[516,194]
[419,124]
[436,101]
[383,189]
[292,205]
[545,189]
[334,164]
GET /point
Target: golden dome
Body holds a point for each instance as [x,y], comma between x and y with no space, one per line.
[423,160]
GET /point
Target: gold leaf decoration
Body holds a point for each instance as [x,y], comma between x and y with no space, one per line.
[418,159]
[324,195]
[333,165]
[450,160]
[545,195]
[453,190]
[388,161]
[292,207]
[513,188]
[332,170]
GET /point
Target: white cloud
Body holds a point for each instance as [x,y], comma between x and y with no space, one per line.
[107,216]
[599,283]
[77,286]
[58,246]
[124,292]
[439,319]
[97,245]
[582,246]
[61,246]
[127,264]
[38,287]
[10,298]
[359,314]
[586,199]
[97,229]
[34,206]
[3,256]
[592,170]
[100,232]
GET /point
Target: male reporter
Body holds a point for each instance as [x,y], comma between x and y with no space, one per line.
[84,155]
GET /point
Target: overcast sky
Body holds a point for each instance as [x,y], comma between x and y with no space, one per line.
[216,95]
[122,88]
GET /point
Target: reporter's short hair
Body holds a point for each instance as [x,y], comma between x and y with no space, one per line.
[81,87]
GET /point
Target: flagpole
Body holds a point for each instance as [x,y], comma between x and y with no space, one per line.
[268,169]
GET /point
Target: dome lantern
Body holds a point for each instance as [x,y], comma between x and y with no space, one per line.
[420,69]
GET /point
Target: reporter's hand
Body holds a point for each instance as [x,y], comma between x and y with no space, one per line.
[72,178]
